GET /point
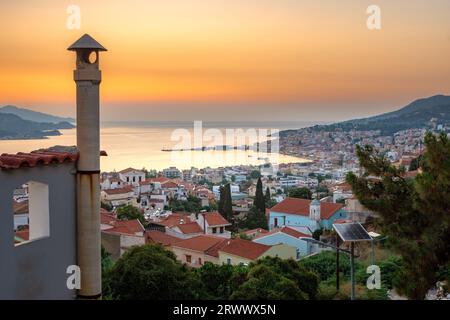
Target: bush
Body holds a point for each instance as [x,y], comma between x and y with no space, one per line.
[150,272]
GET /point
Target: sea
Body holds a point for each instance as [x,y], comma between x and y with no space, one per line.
[142,144]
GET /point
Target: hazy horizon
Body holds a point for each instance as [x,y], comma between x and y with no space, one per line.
[253,60]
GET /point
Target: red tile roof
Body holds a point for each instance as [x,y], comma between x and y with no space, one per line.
[41,157]
[169,184]
[35,158]
[290,231]
[106,217]
[120,226]
[189,228]
[174,219]
[126,189]
[215,219]
[23,234]
[126,227]
[256,231]
[301,207]
[129,170]
[244,248]
[202,243]
[155,236]
[153,180]
[294,233]
[20,207]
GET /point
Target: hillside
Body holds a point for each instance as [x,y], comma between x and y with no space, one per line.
[30,115]
[14,127]
[421,113]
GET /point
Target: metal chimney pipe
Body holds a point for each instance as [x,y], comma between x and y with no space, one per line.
[87,77]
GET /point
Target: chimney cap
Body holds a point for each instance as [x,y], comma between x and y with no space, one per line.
[86,42]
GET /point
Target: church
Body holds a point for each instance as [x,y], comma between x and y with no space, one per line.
[308,214]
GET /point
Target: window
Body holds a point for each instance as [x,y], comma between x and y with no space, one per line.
[214,230]
[134,179]
[31,212]
[188,258]
[228,261]
[128,179]
[275,222]
[222,229]
[200,261]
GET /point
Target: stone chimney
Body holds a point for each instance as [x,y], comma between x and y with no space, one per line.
[87,77]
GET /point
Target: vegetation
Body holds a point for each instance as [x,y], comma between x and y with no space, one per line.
[255,174]
[301,193]
[260,201]
[254,219]
[225,206]
[414,212]
[150,272]
[192,204]
[106,206]
[129,212]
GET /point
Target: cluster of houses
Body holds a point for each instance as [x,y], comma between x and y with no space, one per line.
[203,237]
[198,238]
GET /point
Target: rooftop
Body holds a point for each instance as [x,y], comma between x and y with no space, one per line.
[215,219]
[244,248]
[155,236]
[301,207]
[202,243]
[86,42]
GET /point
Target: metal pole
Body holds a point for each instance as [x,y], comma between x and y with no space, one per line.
[352,268]
[337,262]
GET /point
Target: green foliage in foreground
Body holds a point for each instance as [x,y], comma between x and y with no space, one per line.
[414,212]
[152,272]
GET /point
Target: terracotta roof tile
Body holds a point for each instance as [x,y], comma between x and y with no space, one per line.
[124,171]
[189,228]
[202,243]
[244,248]
[155,236]
[215,219]
[301,207]
[169,184]
[256,231]
[174,219]
[20,207]
[126,189]
[294,233]
[35,158]
[131,227]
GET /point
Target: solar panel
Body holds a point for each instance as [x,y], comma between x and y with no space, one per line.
[352,232]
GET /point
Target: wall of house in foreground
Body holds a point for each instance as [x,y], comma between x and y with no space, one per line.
[37,269]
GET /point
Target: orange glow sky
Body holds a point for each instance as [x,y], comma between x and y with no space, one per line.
[229,59]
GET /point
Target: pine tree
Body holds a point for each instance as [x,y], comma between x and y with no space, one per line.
[415,213]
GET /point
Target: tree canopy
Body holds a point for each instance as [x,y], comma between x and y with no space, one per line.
[150,272]
[130,212]
[414,212]
[301,193]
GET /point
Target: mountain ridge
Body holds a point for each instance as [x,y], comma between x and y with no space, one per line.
[13,127]
[419,113]
[35,116]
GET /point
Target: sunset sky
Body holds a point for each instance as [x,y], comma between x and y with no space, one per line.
[229,59]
